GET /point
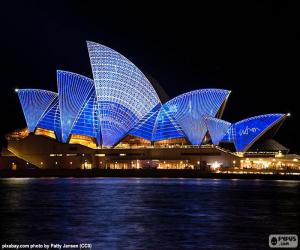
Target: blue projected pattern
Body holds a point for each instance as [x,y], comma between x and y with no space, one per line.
[73,91]
[87,121]
[217,129]
[34,103]
[165,127]
[115,121]
[121,101]
[157,125]
[51,119]
[145,126]
[124,94]
[189,110]
[230,135]
[249,130]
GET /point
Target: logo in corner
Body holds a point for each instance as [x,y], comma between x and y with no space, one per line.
[283,241]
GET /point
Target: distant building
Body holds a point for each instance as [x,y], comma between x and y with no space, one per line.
[122,119]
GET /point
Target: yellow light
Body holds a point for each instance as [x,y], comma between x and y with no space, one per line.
[101,155]
[16,90]
[295,160]
[45,132]
[288,114]
[215,165]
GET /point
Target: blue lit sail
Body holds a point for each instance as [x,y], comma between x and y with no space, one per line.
[189,110]
[121,101]
[229,135]
[124,94]
[145,126]
[51,119]
[87,121]
[165,127]
[157,125]
[73,92]
[249,130]
[34,103]
[217,128]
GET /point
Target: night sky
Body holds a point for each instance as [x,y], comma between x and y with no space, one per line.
[250,48]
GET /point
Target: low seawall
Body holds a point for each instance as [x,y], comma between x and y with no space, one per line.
[141,173]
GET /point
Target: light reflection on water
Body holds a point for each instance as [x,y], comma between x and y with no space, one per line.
[148,213]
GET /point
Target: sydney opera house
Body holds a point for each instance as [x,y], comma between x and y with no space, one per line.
[123,119]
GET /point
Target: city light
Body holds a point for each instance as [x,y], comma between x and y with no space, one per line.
[215,165]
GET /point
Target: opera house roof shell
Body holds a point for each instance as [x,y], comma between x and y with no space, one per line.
[120,100]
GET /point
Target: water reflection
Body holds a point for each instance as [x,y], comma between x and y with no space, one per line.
[146,213]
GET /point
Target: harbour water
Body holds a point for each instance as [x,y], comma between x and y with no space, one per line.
[148,213]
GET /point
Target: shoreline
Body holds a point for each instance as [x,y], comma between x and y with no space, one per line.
[141,173]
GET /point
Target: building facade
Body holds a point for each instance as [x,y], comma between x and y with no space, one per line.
[119,119]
